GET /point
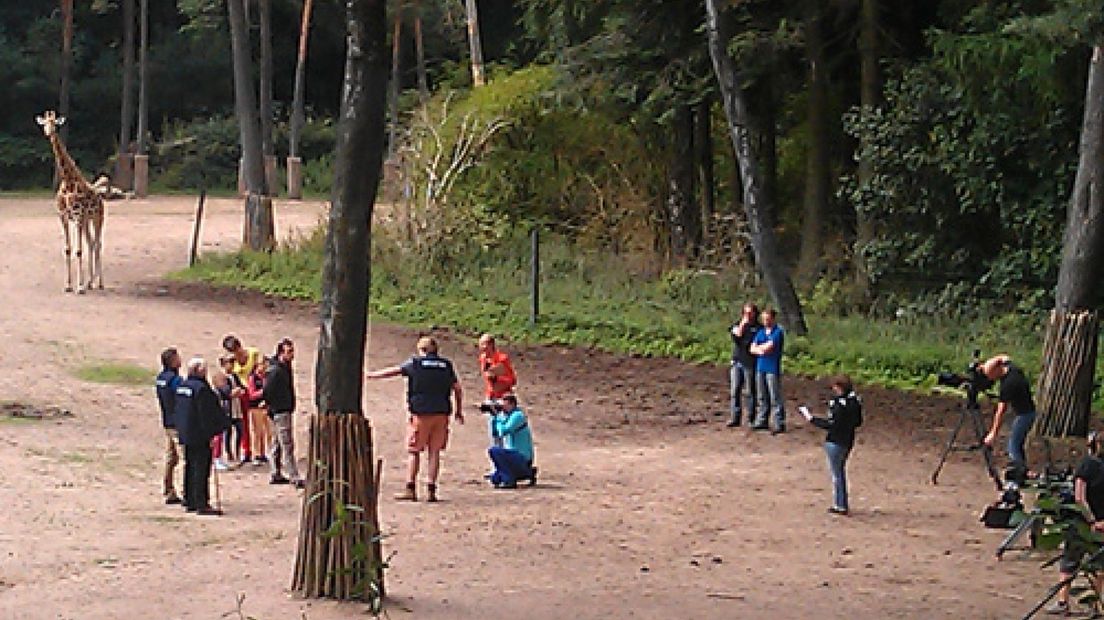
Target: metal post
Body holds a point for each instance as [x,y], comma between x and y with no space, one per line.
[534,275]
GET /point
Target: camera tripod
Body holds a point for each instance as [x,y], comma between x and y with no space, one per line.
[970,414]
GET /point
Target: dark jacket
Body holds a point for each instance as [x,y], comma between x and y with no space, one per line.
[199,415]
[844,416]
[165,385]
[279,389]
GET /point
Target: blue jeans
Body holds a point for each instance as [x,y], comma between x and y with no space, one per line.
[510,466]
[837,463]
[769,390]
[739,376]
[1021,425]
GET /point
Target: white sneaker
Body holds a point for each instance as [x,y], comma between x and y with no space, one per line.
[221,465]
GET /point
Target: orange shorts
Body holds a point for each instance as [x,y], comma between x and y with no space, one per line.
[427,431]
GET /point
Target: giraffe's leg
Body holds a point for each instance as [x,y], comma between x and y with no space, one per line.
[98,227]
[82,225]
[68,254]
[95,267]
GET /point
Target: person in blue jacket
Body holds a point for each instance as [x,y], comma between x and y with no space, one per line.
[767,346]
[513,460]
[165,385]
[199,418]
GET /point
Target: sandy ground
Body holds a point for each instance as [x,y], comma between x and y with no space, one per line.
[648,506]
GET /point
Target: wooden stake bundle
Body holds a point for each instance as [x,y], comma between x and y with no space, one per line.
[1065,387]
[339,523]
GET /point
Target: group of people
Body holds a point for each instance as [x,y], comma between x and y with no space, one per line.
[239,413]
[434,395]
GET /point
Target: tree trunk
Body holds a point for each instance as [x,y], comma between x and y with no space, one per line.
[298,112]
[340,474]
[683,213]
[1069,353]
[267,146]
[475,43]
[124,168]
[870,97]
[143,78]
[66,64]
[743,129]
[396,59]
[258,231]
[817,173]
[419,51]
[703,147]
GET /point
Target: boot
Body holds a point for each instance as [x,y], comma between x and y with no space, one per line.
[409,495]
[432,493]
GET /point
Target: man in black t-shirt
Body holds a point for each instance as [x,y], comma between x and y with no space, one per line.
[431,379]
[1088,492]
[1014,392]
[742,371]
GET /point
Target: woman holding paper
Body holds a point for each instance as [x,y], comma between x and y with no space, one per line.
[844,416]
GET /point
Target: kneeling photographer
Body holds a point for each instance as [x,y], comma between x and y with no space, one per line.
[1014,392]
[1088,493]
[513,460]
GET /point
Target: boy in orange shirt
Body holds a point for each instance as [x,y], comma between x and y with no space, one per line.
[498,373]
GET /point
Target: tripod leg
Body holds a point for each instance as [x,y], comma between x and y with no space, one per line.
[986,451]
[1011,539]
[948,448]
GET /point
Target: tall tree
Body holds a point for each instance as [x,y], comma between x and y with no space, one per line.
[475,43]
[818,166]
[703,148]
[345,562]
[396,66]
[298,104]
[124,168]
[419,52]
[745,130]
[268,146]
[258,231]
[66,63]
[682,208]
[1070,348]
[870,96]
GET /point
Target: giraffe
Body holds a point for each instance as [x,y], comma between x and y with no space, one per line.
[79,205]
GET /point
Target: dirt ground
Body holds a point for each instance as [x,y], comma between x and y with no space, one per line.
[648,506]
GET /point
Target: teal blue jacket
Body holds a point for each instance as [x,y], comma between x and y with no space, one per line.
[513,428]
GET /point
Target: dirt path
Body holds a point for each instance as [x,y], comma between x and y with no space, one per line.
[648,506]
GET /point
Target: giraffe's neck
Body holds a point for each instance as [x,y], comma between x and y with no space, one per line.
[66,166]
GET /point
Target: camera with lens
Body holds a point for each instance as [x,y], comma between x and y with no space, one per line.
[491,407]
[973,380]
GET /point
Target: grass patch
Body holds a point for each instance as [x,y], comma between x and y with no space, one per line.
[114,373]
[600,301]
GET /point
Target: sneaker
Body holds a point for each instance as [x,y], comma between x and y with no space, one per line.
[733,423]
[432,488]
[300,484]
[836,510]
[173,500]
[778,431]
[409,495]
[760,427]
[221,465]
[208,511]
[277,479]
[1059,608]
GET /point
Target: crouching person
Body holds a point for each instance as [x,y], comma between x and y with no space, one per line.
[513,460]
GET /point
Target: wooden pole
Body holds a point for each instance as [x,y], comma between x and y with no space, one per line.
[534,275]
[193,247]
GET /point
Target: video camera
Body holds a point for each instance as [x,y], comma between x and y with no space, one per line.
[973,380]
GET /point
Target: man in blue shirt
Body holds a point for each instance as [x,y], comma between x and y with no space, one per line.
[166,383]
[767,346]
[513,460]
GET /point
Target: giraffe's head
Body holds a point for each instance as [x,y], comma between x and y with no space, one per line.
[50,122]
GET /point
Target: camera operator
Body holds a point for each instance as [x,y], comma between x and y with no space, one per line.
[1088,493]
[1014,392]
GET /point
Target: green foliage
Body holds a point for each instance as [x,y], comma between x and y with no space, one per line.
[597,299]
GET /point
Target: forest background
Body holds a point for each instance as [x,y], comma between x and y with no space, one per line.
[916,228]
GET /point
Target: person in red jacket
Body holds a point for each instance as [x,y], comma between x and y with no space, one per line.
[498,374]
